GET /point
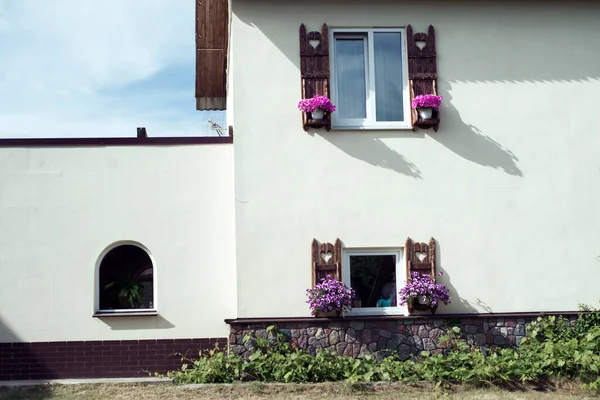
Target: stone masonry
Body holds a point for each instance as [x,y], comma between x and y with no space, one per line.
[356,337]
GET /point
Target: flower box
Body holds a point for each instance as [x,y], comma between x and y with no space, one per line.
[329,297]
[317,112]
[422,293]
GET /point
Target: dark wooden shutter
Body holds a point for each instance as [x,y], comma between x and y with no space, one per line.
[326,260]
[422,70]
[420,257]
[212,32]
[314,70]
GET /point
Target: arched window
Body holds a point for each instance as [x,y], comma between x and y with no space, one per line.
[126,280]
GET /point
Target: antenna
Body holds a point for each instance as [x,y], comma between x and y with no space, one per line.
[216,127]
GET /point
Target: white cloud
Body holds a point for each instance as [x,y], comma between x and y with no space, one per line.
[78,68]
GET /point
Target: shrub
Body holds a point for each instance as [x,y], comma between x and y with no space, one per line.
[553,348]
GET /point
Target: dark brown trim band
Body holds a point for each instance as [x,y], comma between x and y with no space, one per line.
[116,141]
[97,359]
[241,321]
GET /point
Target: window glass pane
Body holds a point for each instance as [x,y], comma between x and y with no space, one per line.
[387,47]
[126,279]
[374,280]
[350,76]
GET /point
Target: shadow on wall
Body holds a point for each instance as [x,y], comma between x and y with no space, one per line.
[458,305]
[372,150]
[18,361]
[468,142]
[137,323]
[516,47]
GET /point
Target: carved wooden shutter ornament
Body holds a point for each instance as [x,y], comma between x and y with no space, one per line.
[314,70]
[326,260]
[422,72]
[420,257]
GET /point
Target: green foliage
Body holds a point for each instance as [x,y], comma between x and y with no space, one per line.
[554,347]
[126,289]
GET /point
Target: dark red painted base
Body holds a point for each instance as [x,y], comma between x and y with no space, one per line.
[97,359]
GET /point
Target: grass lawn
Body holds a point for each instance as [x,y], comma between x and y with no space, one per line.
[288,392]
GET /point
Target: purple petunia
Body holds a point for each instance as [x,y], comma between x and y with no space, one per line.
[424,287]
[329,295]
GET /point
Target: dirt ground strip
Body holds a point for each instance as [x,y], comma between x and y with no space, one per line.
[290,391]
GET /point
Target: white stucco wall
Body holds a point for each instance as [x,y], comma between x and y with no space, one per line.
[509,186]
[61,207]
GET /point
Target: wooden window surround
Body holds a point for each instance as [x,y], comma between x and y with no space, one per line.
[331,259]
[315,73]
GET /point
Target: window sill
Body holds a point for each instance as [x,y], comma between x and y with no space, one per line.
[125,313]
[425,316]
[372,128]
[376,312]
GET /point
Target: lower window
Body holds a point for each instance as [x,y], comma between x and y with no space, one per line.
[373,275]
[126,280]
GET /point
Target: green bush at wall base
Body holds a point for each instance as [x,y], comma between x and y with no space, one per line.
[553,348]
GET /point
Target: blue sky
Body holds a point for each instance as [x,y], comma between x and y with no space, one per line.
[89,68]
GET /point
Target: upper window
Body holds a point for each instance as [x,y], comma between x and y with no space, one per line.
[126,280]
[372,274]
[370,79]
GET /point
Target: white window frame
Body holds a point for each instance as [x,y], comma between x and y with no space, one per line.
[98,312]
[399,254]
[370,122]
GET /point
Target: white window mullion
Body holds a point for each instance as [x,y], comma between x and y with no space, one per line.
[371,112]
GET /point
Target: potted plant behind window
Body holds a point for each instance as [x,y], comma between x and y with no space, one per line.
[329,298]
[128,292]
[317,106]
[423,293]
[425,104]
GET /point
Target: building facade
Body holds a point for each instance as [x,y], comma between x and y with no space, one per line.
[506,186]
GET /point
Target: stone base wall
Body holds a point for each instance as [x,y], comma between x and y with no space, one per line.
[406,336]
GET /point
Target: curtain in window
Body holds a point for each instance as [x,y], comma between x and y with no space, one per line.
[350,76]
[387,47]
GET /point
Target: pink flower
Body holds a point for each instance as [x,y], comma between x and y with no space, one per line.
[315,103]
[427,101]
